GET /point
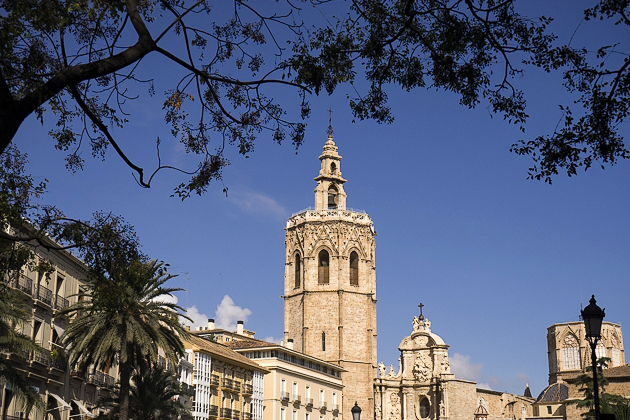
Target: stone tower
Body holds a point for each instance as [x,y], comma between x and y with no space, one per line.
[330,284]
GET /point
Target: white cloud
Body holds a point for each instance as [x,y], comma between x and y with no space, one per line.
[228,313]
[166,299]
[484,386]
[198,319]
[271,339]
[252,202]
[463,368]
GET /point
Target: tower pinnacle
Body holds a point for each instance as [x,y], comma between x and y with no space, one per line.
[329,193]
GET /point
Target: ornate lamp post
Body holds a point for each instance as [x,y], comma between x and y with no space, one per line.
[356,412]
[592,316]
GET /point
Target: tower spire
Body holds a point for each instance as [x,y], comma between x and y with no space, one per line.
[330,129]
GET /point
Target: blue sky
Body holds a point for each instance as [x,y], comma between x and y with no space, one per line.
[495,258]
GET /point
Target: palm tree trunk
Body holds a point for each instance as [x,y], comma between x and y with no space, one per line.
[123,398]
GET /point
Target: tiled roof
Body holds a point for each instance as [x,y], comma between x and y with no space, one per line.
[557,392]
[249,344]
[221,351]
[617,371]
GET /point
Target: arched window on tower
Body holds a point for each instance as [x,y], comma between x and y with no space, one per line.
[333,168]
[298,270]
[323,341]
[571,353]
[322,267]
[425,407]
[354,268]
[332,197]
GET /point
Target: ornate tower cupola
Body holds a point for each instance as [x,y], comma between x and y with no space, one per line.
[329,193]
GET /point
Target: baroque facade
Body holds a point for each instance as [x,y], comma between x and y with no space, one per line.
[330,283]
[425,388]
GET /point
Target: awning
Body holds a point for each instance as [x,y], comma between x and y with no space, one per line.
[83,409]
[62,404]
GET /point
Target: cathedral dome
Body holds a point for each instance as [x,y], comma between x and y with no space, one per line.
[557,392]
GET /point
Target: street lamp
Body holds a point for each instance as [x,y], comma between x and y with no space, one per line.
[356,412]
[592,316]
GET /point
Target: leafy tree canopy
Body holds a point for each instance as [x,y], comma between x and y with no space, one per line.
[81,60]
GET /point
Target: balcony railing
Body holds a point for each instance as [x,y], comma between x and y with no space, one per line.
[24,284]
[323,405]
[226,413]
[214,380]
[61,302]
[248,389]
[247,416]
[236,386]
[335,408]
[214,411]
[45,295]
[101,379]
[297,398]
[284,396]
[236,415]
[227,383]
[40,356]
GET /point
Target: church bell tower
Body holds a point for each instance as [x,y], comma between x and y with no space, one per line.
[330,284]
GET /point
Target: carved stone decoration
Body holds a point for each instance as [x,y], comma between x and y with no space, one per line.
[394,406]
[391,374]
[422,367]
[381,370]
[445,365]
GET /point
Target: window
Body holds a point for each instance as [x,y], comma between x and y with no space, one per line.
[321,397]
[333,168]
[308,392]
[425,407]
[298,270]
[283,386]
[332,197]
[354,268]
[307,416]
[283,414]
[294,415]
[549,411]
[334,399]
[616,357]
[600,350]
[571,353]
[295,390]
[322,267]
[323,341]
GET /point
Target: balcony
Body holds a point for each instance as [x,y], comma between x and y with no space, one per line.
[61,302]
[247,416]
[297,399]
[101,379]
[248,389]
[284,396]
[44,295]
[323,405]
[24,284]
[214,411]
[236,386]
[226,413]
[335,409]
[40,356]
[309,402]
[236,415]
[214,381]
[227,383]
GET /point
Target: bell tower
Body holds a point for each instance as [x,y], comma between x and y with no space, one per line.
[330,284]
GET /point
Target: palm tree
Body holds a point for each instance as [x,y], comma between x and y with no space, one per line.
[152,397]
[13,314]
[125,319]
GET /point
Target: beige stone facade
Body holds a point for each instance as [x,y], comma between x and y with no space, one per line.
[330,283]
[569,352]
[423,387]
[227,385]
[298,387]
[66,393]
